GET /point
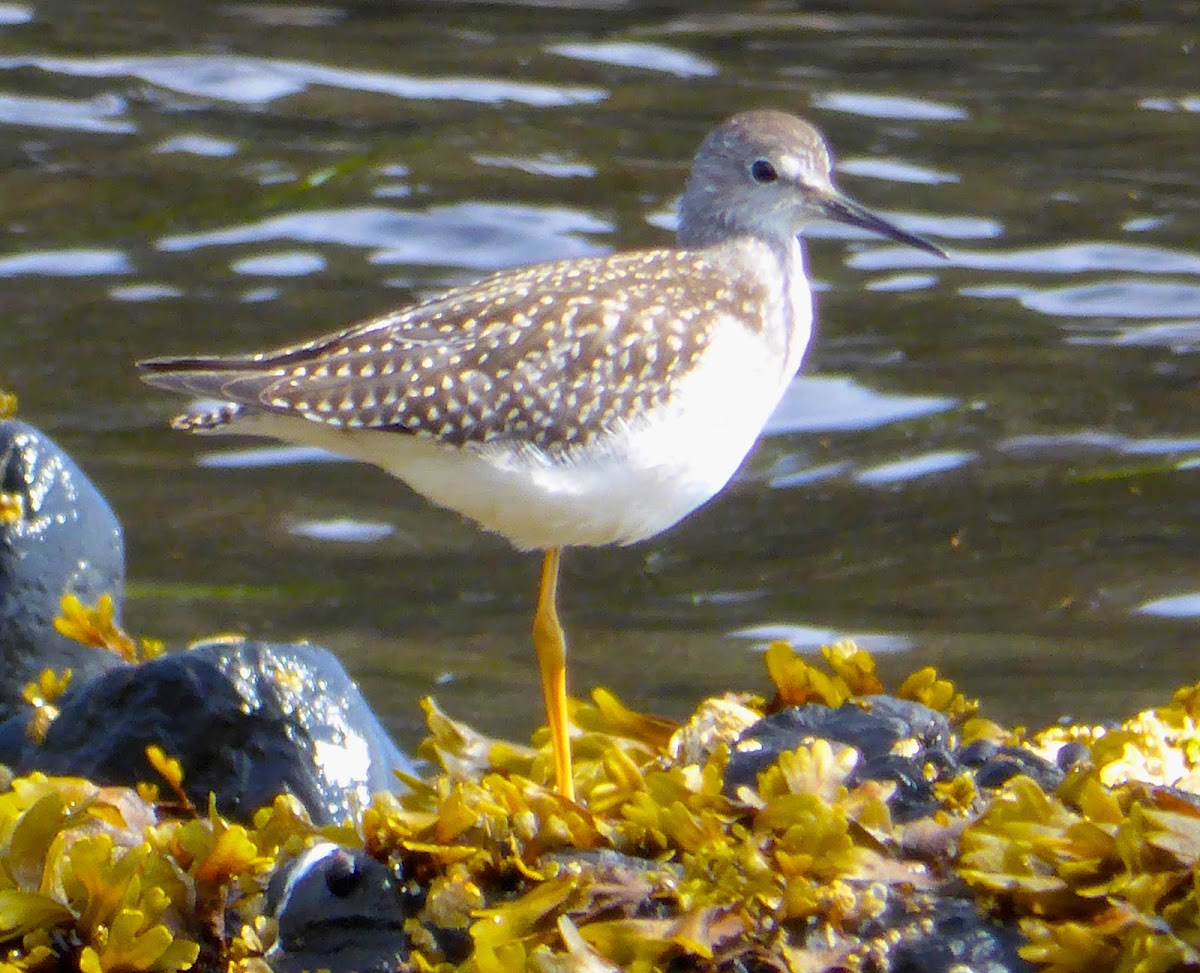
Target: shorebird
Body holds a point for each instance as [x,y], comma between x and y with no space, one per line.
[582,402]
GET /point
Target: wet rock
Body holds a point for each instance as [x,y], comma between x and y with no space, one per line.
[13,740]
[978,752]
[875,727]
[905,743]
[247,720]
[948,936]
[897,741]
[1071,755]
[914,796]
[1007,762]
[58,536]
[337,909]
[995,765]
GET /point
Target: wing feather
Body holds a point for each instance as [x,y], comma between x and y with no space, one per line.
[548,353]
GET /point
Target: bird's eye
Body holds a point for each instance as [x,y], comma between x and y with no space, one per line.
[762,171]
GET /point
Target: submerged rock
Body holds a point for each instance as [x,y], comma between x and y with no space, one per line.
[246,720]
[58,535]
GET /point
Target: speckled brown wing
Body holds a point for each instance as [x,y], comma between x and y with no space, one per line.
[552,354]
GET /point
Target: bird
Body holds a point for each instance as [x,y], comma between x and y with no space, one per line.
[581,402]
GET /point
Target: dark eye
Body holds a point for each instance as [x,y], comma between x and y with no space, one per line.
[762,171]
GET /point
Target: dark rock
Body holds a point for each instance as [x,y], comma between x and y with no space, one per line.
[1007,762]
[1071,755]
[899,741]
[338,909]
[66,541]
[977,753]
[950,937]
[13,740]
[876,730]
[247,721]
[914,796]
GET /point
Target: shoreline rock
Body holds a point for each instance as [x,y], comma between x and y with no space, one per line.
[58,536]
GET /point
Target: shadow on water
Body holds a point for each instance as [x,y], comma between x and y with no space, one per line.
[989,463]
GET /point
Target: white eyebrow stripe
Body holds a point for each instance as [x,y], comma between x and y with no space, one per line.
[790,166]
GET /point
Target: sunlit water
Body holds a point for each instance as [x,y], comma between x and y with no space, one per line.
[989,463]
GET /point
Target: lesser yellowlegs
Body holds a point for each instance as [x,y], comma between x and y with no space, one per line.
[583,402]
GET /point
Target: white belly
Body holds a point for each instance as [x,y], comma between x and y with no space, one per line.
[641,479]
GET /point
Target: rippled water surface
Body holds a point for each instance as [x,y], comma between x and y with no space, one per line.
[989,463]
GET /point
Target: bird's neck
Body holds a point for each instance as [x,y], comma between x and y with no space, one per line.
[774,267]
[771,258]
[799,309]
[703,225]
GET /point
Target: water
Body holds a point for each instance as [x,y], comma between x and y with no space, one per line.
[988,465]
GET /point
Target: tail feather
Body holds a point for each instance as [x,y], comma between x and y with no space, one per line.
[209,378]
[192,363]
[253,361]
[217,380]
[208,420]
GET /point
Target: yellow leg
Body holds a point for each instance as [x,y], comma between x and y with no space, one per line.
[551,646]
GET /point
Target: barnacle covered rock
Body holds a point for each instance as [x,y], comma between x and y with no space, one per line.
[93,878]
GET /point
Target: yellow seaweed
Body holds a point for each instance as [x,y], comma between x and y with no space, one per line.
[657,865]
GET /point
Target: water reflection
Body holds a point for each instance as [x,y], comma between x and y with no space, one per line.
[1173,606]
[912,467]
[99,114]
[647,57]
[1129,298]
[1068,258]
[480,236]
[65,263]
[812,638]
[829,403]
[255,81]
[889,106]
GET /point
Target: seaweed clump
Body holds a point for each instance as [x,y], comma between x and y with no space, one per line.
[102,880]
[1104,873]
[659,865]
[668,861]
[109,879]
[12,505]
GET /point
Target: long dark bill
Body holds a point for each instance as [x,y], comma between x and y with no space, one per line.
[845,210]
